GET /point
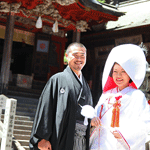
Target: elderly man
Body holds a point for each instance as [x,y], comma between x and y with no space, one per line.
[58,123]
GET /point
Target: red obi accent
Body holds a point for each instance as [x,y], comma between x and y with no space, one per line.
[117,98]
[116,112]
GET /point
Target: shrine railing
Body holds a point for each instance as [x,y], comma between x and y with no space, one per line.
[6,128]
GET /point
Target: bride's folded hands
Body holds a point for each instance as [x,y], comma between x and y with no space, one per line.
[117,134]
[95,121]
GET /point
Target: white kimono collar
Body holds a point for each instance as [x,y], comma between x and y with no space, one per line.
[80,78]
[125,90]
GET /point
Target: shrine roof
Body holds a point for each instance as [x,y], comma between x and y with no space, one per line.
[71,15]
[102,7]
[136,14]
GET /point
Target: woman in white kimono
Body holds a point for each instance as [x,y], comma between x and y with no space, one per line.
[122,120]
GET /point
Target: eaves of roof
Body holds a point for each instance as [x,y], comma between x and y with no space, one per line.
[137,14]
[102,7]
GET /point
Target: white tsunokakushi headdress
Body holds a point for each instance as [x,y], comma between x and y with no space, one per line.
[131,58]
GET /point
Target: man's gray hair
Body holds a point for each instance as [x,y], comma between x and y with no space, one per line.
[76,44]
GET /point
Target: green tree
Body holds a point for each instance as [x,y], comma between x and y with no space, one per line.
[65,59]
[101,1]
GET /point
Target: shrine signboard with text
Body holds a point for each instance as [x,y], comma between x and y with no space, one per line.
[9,118]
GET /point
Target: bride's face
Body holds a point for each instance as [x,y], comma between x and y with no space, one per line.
[120,77]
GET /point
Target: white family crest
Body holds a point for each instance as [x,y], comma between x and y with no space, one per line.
[62,90]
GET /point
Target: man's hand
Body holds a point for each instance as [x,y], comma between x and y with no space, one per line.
[44,145]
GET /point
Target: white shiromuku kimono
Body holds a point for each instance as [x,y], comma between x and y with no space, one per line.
[134,120]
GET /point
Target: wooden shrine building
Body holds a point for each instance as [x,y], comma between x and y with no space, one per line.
[41,27]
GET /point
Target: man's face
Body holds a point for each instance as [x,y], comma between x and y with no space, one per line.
[77,59]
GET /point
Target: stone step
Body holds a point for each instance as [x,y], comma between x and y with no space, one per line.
[22,122]
[26,101]
[27,105]
[34,92]
[26,147]
[18,117]
[26,109]
[24,94]
[25,118]
[37,82]
[30,115]
[22,127]
[26,90]
[24,142]
[23,132]
[22,137]
[38,86]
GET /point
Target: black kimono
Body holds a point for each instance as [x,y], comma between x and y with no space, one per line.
[56,114]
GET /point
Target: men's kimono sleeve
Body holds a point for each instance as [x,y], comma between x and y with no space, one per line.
[44,118]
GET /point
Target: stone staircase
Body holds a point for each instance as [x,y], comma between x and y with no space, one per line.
[22,132]
[34,92]
[25,112]
[27,100]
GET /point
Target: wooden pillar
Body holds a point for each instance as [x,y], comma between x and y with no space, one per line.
[76,36]
[6,60]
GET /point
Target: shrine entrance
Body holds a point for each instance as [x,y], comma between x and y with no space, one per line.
[21,59]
